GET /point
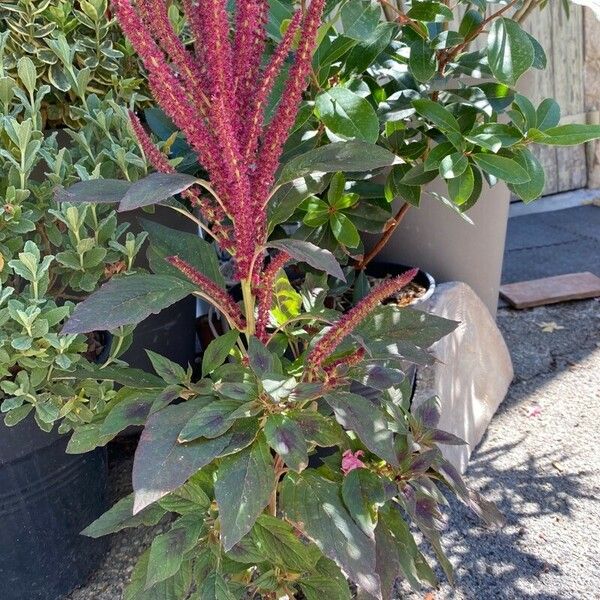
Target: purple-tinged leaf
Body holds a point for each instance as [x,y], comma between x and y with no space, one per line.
[125,301]
[210,421]
[286,438]
[155,188]
[161,464]
[444,437]
[317,428]
[429,412]
[366,420]
[261,359]
[243,487]
[95,191]
[314,504]
[376,376]
[348,156]
[312,255]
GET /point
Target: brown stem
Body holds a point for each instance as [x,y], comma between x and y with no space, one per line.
[385,237]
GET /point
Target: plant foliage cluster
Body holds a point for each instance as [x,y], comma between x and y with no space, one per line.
[294,464]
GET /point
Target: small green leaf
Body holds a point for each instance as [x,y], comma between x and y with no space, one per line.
[437,114]
[344,230]
[218,350]
[547,114]
[460,188]
[166,369]
[360,18]
[501,167]
[395,189]
[453,165]
[534,188]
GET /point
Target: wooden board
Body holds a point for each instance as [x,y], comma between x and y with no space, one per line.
[550,290]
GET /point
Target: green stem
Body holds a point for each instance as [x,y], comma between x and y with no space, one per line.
[248,306]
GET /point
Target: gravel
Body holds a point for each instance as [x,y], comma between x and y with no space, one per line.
[538,461]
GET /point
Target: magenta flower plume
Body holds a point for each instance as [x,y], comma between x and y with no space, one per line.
[155,157]
[218,103]
[346,324]
[249,46]
[156,16]
[265,293]
[268,77]
[211,291]
[279,128]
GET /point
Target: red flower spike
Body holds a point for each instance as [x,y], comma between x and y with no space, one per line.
[348,322]
[265,294]
[216,295]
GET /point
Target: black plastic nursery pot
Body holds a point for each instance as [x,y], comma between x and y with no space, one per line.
[47,497]
[422,278]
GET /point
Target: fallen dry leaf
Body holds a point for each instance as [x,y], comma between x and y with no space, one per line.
[549,326]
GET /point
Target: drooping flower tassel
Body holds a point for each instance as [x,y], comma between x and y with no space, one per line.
[265,291]
[209,290]
[326,346]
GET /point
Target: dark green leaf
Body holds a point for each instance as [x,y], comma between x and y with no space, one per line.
[360,18]
[121,516]
[428,11]
[318,429]
[437,114]
[366,420]
[262,361]
[132,410]
[243,487]
[460,188]
[547,114]
[453,165]
[210,421]
[394,189]
[278,540]
[125,301]
[510,51]
[166,369]
[501,167]
[354,155]
[197,252]
[417,176]
[214,587]
[347,114]
[570,135]
[363,494]
[534,188]
[366,51]
[168,549]
[422,61]
[286,438]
